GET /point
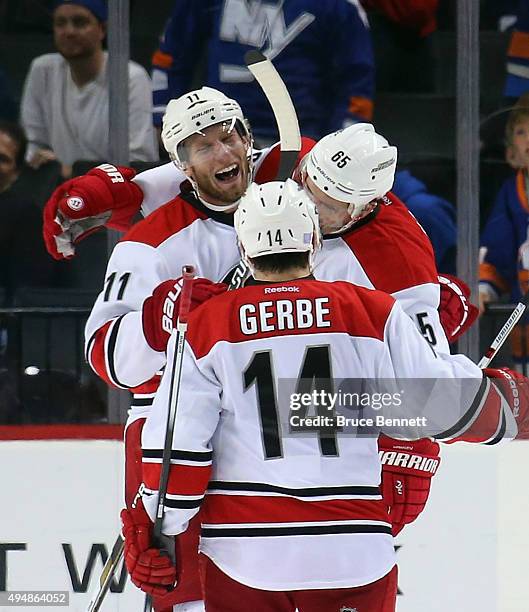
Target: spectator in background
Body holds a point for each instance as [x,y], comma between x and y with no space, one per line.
[404,55]
[22,252]
[321,48]
[8,109]
[435,214]
[506,228]
[417,16]
[65,101]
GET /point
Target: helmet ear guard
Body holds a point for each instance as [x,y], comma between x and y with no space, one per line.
[276,217]
[354,165]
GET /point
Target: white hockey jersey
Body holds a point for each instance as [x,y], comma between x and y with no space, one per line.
[388,250]
[282,511]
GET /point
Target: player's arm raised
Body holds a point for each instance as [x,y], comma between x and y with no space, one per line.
[107,196]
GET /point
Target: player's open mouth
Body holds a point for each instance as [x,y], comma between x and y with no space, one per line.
[227,174]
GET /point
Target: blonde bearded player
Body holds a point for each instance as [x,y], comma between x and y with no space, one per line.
[137,303]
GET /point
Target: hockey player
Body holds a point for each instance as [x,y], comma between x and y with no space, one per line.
[293,522]
[138,302]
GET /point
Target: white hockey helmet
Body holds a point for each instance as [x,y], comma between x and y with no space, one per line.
[354,165]
[276,217]
[195,111]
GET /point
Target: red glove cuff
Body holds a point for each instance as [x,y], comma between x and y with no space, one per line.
[456,312]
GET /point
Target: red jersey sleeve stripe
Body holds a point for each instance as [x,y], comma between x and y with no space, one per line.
[183,479]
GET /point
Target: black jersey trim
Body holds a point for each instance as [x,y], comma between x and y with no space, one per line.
[178,455]
[224,218]
[110,353]
[183,504]
[138,402]
[305,530]
[501,432]
[261,487]
[464,421]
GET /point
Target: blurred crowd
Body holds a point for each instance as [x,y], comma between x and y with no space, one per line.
[343,61]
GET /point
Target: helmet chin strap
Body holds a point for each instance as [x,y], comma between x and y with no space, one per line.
[367,208]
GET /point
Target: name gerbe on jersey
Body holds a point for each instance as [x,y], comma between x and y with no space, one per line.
[284,314]
[262,491]
[388,251]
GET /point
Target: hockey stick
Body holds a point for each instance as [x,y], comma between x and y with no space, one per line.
[504,332]
[109,569]
[286,118]
[285,115]
[188,274]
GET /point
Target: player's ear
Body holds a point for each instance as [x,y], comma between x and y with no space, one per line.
[188,171]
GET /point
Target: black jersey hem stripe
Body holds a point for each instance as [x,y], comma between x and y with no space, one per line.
[110,353]
[154,453]
[307,492]
[464,421]
[499,436]
[141,401]
[254,532]
[183,503]
[90,345]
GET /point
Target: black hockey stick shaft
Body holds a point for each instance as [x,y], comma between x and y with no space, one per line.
[504,332]
[109,569]
[188,274]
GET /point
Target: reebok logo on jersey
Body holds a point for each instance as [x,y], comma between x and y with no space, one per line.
[280,289]
[75,203]
[410,462]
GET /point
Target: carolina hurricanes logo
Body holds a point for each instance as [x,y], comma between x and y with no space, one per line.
[75,203]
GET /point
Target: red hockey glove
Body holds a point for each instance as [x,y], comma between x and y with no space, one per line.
[455,310]
[160,310]
[104,196]
[515,389]
[149,568]
[407,470]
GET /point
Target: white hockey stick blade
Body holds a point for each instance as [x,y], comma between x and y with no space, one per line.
[285,114]
[109,569]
